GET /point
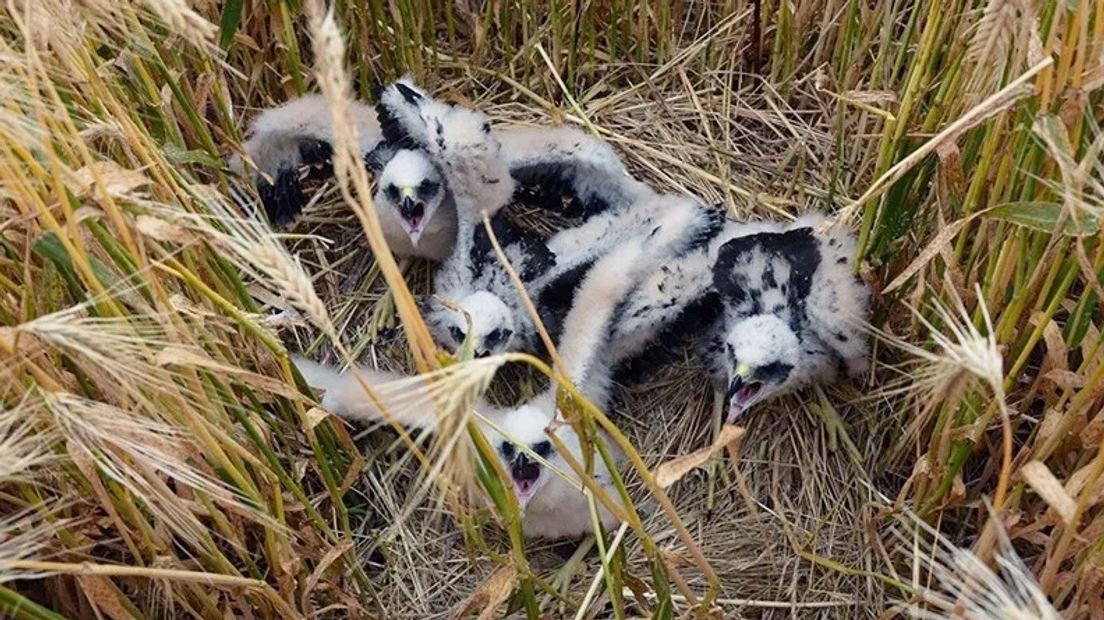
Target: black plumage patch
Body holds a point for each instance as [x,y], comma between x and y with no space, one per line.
[412,97]
[393,131]
[547,186]
[799,248]
[542,448]
[775,372]
[592,206]
[550,185]
[687,327]
[537,258]
[283,197]
[556,298]
[378,158]
[317,154]
[427,189]
[768,277]
[715,221]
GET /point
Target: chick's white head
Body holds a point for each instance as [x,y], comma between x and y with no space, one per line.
[760,355]
[411,184]
[522,439]
[492,324]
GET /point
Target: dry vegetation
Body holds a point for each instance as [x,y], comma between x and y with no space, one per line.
[158,460]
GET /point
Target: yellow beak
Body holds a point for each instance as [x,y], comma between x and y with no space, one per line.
[407,192]
[743,371]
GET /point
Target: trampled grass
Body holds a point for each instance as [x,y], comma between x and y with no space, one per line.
[159,457]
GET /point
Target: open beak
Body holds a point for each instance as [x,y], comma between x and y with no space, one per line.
[742,392]
[525,474]
[412,211]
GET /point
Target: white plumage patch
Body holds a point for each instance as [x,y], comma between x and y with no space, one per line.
[275,133]
[761,340]
[492,324]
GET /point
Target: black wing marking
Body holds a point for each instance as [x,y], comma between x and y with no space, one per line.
[550,186]
[283,197]
[713,223]
[538,259]
[412,96]
[554,300]
[377,159]
[739,258]
[394,134]
[687,328]
[318,154]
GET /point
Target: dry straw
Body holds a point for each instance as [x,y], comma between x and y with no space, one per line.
[158,455]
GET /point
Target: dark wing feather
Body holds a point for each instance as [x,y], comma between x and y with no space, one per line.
[282,198]
[395,133]
[567,171]
[687,329]
[536,260]
[550,186]
[554,299]
[746,268]
[377,159]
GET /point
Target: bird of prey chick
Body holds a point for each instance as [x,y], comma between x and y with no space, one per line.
[551,166]
[295,140]
[409,186]
[794,311]
[547,490]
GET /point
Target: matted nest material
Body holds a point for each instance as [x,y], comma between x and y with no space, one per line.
[757,159]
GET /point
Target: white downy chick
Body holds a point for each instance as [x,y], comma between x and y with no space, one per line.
[794,311]
[547,492]
[492,324]
[415,212]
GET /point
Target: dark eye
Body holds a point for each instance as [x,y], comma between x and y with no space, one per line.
[457,334]
[775,372]
[543,448]
[493,338]
[428,189]
[392,192]
[507,450]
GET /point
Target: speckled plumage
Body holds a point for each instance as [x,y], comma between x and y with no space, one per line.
[793,310]
[556,168]
[553,506]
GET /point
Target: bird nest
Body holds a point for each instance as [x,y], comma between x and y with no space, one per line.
[806,465]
